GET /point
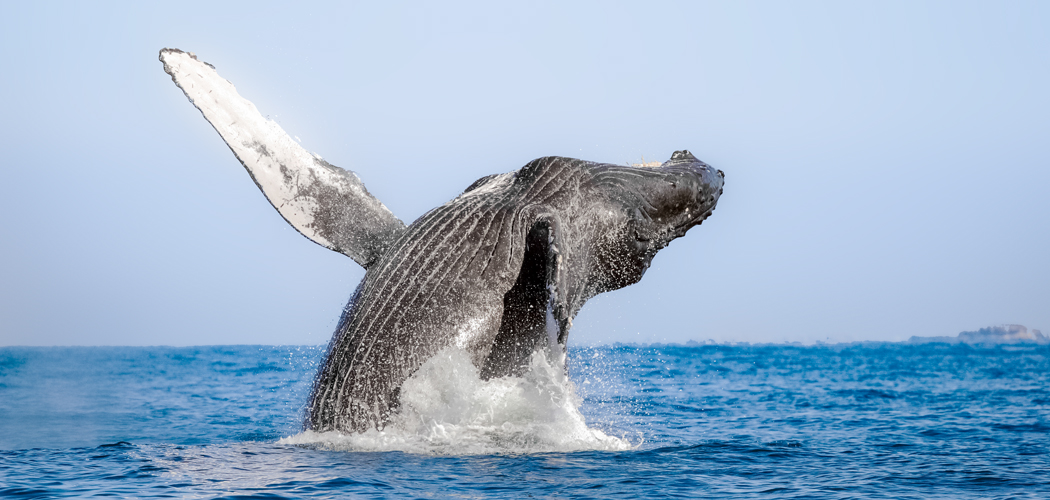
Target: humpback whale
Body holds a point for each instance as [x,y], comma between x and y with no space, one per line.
[499,271]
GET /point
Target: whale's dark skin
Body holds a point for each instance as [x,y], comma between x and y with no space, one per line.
[483,270]
[499,271]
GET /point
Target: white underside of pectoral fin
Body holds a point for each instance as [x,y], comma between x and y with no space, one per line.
[327,204]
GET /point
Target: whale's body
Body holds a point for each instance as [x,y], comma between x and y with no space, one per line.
[499,271]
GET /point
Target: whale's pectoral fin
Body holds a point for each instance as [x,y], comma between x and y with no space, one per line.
[325,203]
[536,311]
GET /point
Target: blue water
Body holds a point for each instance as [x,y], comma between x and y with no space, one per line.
[889,421]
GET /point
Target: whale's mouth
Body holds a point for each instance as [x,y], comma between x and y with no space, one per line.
[535,311]
[696,217]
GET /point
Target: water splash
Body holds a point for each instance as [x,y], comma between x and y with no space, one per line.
[446,408]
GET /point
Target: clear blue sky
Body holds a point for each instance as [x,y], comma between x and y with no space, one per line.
[887,163]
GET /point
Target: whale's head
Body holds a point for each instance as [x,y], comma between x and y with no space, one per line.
[596,228]
[644,208]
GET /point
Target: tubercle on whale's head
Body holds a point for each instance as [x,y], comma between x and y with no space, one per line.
[654,206]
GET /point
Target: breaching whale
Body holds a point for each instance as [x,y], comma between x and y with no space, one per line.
[499,271]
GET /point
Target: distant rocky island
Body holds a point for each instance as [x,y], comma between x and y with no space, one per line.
[1005,334]
[988,336]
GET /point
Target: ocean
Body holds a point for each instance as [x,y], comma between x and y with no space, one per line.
[846,421]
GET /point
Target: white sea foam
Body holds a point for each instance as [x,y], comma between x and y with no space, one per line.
[446,408]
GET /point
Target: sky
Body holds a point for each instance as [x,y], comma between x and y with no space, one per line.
[887,163]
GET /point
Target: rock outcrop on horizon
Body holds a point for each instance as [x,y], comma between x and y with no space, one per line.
[1005,334]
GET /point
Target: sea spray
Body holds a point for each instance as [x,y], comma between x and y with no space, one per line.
[446,408]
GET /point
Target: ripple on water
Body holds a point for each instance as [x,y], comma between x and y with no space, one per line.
[742,421]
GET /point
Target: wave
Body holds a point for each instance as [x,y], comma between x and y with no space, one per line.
[446,408]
